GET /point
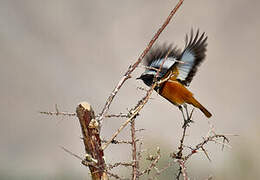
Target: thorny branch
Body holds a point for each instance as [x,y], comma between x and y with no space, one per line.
[119,141]
[154,160]
[182,159]
[185,126]
[201,145]
[91,137]
[117,115]
[57,112]
[134,113]
[140,104]
[131,68]
[183,169]
[135,166]
[126,164]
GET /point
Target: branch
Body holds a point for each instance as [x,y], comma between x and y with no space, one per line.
[131,68]
[204,142]
[210,137]
[117,141]
[90,131]
[133,113]
[135,166]
[57,112]
[183,170]
[186,121]
[154,160]
[142,102]
[126,164]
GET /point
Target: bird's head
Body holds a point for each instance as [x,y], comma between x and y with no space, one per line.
[160,57]
[148,77]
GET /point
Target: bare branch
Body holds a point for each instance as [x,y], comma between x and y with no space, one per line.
[116,176]
[183,169]
[185,126]
[204,142]
[111,166]
[71,153]
[90,131]
[154,160]
[131,68]
[118,141]
[117,115]
[134,113]
[57,112]
[134,155]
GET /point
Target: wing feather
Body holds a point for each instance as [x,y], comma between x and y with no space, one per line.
[156,56]
[191,57]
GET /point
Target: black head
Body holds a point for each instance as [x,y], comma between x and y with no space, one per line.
[163,57]
[147,78]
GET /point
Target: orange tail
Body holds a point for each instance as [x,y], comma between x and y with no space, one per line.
[195,103]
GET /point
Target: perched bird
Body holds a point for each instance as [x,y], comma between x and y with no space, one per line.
[176,70]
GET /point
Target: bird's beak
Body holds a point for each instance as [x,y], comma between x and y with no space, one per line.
[140,77]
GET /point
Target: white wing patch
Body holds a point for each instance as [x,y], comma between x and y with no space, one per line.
[186,65]
[165,67]
[167,63]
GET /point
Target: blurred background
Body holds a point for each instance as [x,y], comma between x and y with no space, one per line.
[64,52]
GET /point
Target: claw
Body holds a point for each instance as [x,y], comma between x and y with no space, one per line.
[187,123]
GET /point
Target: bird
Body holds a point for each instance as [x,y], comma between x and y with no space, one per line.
[173,70]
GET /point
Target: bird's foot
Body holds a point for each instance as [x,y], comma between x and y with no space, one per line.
[187,123]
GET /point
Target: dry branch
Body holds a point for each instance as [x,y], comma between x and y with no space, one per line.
[57,112]
[135,166]
[90,132]
[131,68]
[210,137]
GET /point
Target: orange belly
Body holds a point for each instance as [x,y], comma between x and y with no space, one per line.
[176,93]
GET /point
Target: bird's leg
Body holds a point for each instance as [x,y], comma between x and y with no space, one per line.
[188,119]
[186,109]
[181,109]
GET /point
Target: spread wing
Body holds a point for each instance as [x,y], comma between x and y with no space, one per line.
[156,57]
[191,57]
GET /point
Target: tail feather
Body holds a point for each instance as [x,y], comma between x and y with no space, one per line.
[205,111]
[202,108]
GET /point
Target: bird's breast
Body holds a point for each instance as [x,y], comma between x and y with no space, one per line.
[175,92]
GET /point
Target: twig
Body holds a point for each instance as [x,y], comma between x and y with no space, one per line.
[83,161]
[154,161]
[118,141]
[57,112]
[141,103]
[204,142]
[111,166]
[71,153]
[131,68]
[179,154]
[117,115]
[159,171]
[139,130]
[205,152]
[134,155]
[116,176]
[183,169]
[138,107]
[139,153]
[134,113]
